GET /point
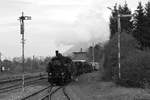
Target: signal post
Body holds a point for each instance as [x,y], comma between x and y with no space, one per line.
[22,18]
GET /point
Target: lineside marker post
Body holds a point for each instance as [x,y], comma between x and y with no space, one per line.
[22,18]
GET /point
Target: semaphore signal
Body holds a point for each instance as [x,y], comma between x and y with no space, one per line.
[22,18]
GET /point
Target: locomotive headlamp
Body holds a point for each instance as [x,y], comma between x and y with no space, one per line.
[50,73]
[62,73]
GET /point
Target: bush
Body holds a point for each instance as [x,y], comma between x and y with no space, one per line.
[136,70]
[135,65]
[128,44]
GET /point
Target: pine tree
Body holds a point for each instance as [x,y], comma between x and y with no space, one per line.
[113,21]
[146,34]
[126,24]
[139,24]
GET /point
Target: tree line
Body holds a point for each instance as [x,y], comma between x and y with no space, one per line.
[134,50]
[31,64]
[137,26]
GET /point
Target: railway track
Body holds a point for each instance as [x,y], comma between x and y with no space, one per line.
[65,93]
[43,94]
[19,78]
[47,93]
[16,84]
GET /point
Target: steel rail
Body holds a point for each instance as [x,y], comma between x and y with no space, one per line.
[18,85]
[29,96]
[20,79]
[49,96]
[66,95]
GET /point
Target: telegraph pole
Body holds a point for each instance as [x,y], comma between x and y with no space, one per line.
[33,62]
[119,16]
[93,57]
[119,32]
[0,56]
[22,18]
[0,61]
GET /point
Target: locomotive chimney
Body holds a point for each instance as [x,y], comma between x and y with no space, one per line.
[57,52]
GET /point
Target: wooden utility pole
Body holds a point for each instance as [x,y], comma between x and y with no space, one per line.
[119,32]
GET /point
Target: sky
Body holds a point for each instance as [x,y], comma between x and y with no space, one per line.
[55,24]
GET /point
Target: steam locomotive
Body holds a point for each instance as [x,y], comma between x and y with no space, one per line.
[60,70]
